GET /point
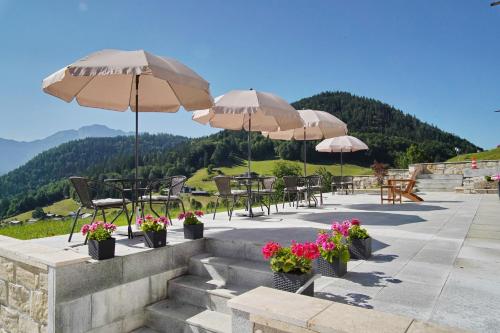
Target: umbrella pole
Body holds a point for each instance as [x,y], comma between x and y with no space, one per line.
[136,189]
[305,154]
[249,144]
[341,167]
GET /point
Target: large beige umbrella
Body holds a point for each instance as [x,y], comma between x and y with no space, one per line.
[116,80]
[317,125]
[250,110]
[341,144]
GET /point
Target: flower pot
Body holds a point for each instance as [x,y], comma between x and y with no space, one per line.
[193,231]
[155,239]
[100,250]
[361,248]
[292,282]
[337,268]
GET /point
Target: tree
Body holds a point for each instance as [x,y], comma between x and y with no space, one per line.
[38,213]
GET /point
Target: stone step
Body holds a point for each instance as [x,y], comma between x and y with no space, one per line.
[144,330]
[176,317]
[438,176]
[238,249]
[232,271]
[204,292]
[430,186]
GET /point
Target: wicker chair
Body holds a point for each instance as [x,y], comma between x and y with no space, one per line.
[315,186]
[223,184]
[342,183]
[169,192]
[266,189]
[85,190]
[292,187]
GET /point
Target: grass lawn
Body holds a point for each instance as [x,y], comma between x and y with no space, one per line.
[266,168]
[493,154]
[62,207]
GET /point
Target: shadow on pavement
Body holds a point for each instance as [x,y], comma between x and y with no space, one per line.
[350,299]
[404,207]
[366,218]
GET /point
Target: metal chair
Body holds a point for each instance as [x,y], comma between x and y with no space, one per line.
[86,189]
[342,183]
[292,187]
[223,184]
[169,190]
[315,186]
[266,189]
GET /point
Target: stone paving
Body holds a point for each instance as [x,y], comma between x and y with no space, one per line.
[435,261]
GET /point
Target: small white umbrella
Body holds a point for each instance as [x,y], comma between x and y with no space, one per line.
[250,110]
[317,125]
[116,80]
[340,145]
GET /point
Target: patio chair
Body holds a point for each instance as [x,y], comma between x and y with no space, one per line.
[266,189]
[342,183]
[85,190]
[404,187]
[225,192]
[292,187]
[164,192]
[315,186]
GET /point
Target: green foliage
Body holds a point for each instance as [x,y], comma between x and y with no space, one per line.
[195,204]
[414,154]
[356,232]
[326,178]
[191,217]
[38,213]
[493,154]
[340,251]
[284,168]
[488,178]
[285,261]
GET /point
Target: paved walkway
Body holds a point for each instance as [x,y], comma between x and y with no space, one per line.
[436,261]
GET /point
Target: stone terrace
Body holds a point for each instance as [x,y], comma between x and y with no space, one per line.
[436,261]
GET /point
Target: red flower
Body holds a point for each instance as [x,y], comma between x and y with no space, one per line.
[355,222]
[198,213]
[270,249]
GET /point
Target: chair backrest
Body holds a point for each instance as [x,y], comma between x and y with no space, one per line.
[409,187]
[268,183]
[291,182]
[223,184]
[83,191]
[314,180]
[177,184]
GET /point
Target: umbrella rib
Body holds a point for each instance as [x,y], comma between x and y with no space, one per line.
[130,94]
[173,91]
[84,86]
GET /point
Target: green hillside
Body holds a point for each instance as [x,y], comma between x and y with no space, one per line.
[493,154]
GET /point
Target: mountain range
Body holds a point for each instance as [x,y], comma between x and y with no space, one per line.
[20,152]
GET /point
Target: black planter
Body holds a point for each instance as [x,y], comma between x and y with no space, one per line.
[193,231]
[155,239]
[361,248]
[336,269]
[100,250]
[292,282]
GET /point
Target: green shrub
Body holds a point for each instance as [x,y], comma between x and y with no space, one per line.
[284,168]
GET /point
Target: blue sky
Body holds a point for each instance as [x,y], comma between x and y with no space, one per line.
[438,60]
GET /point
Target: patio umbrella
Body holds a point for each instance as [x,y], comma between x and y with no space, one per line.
[117,80]
[317,125]
[340,145]
[250,110]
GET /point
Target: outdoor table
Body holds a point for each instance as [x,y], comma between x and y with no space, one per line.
[248,181]
[128,186]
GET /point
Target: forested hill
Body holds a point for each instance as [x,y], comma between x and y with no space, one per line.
[388,132]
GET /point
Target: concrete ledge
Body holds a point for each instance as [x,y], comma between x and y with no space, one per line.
[281,311]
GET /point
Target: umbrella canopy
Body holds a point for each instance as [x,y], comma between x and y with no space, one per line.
[116,80]
[341,144]
[317,125]
[250,110]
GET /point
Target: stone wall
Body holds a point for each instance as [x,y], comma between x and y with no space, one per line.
[457,168]
[23,297]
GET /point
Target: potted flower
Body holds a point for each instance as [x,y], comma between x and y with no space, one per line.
[193,227]
[291,266]
[100,243]
[155,230]
[334,250]
[360,245]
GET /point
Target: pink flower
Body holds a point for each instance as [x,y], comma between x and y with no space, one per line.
[85,229]
[270,249]
[139,221]
[181,216]
[496,177]
[198,213]
[163,219]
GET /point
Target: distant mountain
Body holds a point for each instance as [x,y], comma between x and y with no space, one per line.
[20,152]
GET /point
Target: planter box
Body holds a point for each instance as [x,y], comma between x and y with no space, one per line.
[100,250]
[292,282]
[336,269]
[155,239]
[361,248]
[193,231]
